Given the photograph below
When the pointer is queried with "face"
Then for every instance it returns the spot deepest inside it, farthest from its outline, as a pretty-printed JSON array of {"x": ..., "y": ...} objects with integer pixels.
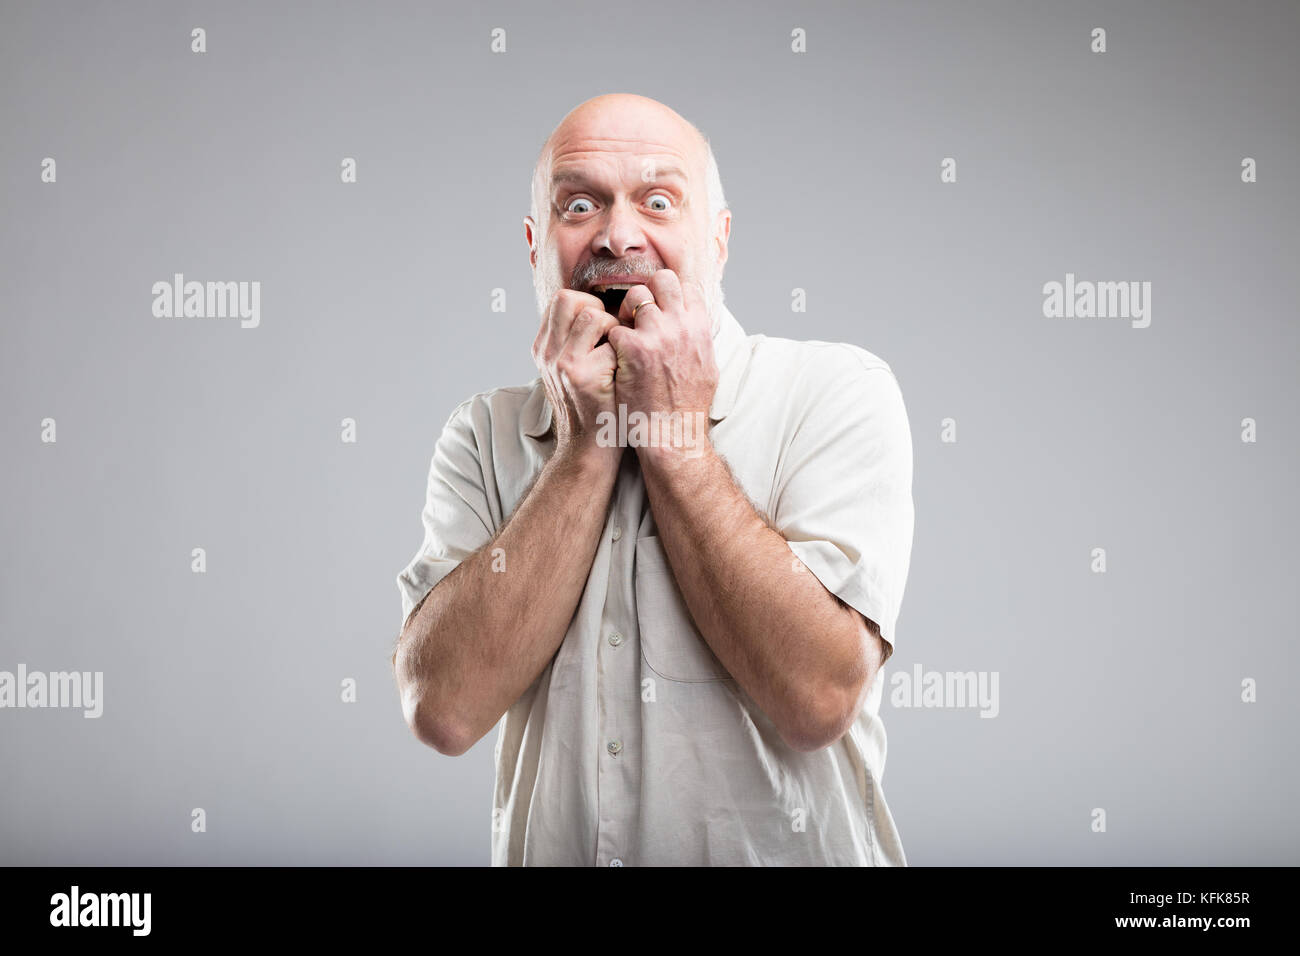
[{"x": 622, "y": 193}]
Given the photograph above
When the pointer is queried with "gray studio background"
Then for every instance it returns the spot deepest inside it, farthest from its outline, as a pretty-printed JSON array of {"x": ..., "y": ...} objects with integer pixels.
[{"x": 222, "y": 690}]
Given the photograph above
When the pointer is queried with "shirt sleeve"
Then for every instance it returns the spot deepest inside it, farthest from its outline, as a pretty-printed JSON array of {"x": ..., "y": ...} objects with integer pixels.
[
  {"x": 457, "y": 519},
  {"x": 844, "y": 499}
]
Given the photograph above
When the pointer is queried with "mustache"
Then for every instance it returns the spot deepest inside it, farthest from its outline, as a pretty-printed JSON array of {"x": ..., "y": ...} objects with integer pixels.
[{"x": 594, "y": 270}]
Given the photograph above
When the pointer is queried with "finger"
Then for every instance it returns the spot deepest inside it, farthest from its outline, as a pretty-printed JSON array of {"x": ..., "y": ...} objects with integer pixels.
[
  {"x": 608, "y": 363},
  {"x": 693, "y": 295},
  {"x": 568, "y": 305},
  {"x": 620, "y": 335},
  {"x": 637, "y": 307},
  {"x": 607, "y": 322},
  {"x": 539, "y": 342},
  {"x": 588, "y": 328},
  {"x": 667, "y": 290}
]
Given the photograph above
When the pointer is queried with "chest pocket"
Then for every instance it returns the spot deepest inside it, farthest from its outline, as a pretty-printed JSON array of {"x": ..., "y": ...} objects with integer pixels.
[{"x": 670, "y": 643}]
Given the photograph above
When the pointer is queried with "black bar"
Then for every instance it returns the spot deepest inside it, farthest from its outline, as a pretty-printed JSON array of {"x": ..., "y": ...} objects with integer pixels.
[{"x": 335, "y": 905}]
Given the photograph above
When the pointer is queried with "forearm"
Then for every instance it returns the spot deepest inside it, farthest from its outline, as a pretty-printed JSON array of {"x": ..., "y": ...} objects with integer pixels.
[
  {"x": 486, "y": 631},
  {"x": 786, "y": 640}
]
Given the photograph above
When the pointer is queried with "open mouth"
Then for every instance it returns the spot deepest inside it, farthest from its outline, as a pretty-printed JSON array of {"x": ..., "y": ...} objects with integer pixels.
[{"x": 613, "y": 297}]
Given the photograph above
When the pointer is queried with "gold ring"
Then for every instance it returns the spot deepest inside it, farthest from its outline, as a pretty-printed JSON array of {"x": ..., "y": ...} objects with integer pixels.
[{"x": 649, "y": 301}]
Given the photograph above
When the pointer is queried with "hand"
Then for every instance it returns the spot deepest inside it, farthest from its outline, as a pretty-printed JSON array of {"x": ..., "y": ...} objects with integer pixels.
[
  {"x": 578, "y": 375},
  {"x": 666, "y": 362}
]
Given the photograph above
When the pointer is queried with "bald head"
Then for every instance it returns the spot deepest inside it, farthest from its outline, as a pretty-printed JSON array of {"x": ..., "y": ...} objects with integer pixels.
[
  {"x": 630, "y": 118},
  {"x": 624, "y": 187}
]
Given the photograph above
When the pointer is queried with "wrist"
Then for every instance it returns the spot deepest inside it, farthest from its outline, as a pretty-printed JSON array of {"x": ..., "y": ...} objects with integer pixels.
[
  {"x": 587, "y": 460},
  {"x": 671, "y": 458}
]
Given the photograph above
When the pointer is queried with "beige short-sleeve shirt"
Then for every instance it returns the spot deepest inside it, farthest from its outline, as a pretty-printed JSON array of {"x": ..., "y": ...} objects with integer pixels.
[{"x": 634, "y": 747}]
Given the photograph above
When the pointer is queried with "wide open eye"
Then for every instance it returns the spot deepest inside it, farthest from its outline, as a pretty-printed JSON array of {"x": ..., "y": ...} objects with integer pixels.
[
  {"x": 578, "y": 201},
  {"x": 660, "y": 203}
]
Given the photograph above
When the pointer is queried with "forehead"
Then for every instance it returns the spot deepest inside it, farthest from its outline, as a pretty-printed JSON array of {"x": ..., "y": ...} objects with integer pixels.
[
  {"x": 634, "y": 160},
  {"x": 626, "y": 139}
]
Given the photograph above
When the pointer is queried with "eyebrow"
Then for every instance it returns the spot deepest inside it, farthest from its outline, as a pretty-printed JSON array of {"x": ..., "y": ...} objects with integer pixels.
[{"x": 563, "y": 176}]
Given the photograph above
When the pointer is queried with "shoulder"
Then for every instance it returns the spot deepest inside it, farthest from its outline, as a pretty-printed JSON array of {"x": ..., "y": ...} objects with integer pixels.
[
  {"x": 813, "y": 356},
  {"x": 507, "y": 408},
  {"x": 806, "y": 370}
]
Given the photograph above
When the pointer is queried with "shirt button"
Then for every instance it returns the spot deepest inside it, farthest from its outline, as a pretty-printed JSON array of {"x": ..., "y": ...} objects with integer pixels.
[
  {"x": 615, "y": 747},
  {"x": 616, "y": 862},
  {"x": 615, "y": 639},
  {"x": 618, "y": 533}
]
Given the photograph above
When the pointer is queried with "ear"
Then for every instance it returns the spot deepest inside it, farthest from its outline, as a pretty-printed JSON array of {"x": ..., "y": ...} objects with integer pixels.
[
  {"x": 530, "y": 236},
  {"x": 722, "y": 235}
]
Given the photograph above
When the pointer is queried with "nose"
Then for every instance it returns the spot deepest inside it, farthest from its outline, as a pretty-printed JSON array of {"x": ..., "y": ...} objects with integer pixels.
[{"x": 620, "y": 232}]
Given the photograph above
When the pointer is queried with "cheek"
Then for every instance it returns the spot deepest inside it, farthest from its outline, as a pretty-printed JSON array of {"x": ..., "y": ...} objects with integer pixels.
[
  {"x": 677, "y": 253},
  {"x": 687, "y": 259},
  {"x": 571, "y": 249},
  {"x": 560, "y": 255}
]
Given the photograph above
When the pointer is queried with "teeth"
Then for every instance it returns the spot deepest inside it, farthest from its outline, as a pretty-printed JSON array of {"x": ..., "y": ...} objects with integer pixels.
[{"x": 613, "y": 285}]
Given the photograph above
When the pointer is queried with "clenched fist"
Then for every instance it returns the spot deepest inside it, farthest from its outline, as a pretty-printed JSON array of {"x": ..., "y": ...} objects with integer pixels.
[
  {"x": 577, "y": 371},
  {"x": 666, "y": 365}
]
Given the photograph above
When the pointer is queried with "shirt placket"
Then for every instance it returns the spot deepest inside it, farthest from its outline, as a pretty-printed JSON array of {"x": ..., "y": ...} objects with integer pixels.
[{"x": 618, "y": 685}]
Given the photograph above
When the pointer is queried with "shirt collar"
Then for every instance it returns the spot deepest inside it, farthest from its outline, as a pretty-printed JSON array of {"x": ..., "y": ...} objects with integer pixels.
[{"x": 730, "y": 348}]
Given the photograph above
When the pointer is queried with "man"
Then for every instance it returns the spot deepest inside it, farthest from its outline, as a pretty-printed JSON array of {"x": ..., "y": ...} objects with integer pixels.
[{"x": 679, "y": 632}]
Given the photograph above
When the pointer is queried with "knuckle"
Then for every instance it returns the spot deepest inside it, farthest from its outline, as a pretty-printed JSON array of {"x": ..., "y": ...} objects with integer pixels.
[
  {"x": 666, "y": 280},
  {"x": 565, "y": 304}
]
